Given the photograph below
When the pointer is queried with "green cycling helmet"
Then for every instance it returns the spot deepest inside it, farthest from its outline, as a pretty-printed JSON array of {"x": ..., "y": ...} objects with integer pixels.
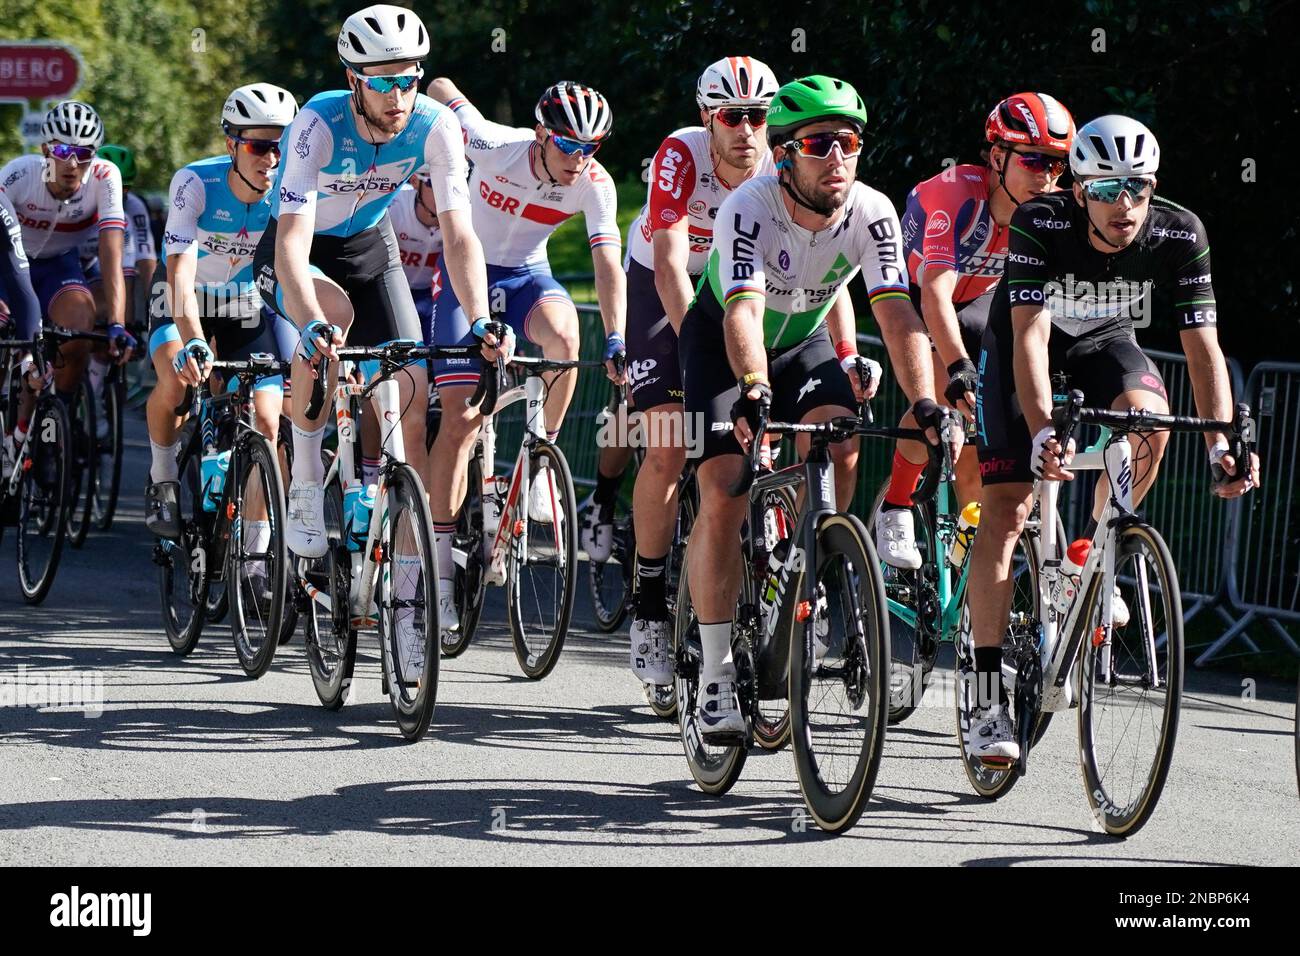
[
  {"x": 122, "y": 158},
  {"x": 809, "y": 99}
]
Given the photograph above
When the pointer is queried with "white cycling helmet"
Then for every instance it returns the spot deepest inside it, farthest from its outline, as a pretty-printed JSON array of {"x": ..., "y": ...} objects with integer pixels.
[
  {"x": 1114, "y": 146},
  {"x": 382, "y": 34},
  {"x": 258, "y": 104},
  {"x": 736, "y": 81},
  {"x": 575, "y": 111},
  {"x": 75, "y": 123}
]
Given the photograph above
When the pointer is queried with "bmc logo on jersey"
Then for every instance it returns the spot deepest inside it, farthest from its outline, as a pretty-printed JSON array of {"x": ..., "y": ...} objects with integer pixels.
[
  {"x": 938, "y": 224},
  {"x": 1162, "y": 233}
]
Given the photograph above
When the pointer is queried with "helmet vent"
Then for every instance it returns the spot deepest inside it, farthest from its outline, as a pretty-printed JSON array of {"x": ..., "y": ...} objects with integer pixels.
[
  {"x": 373, "y": 23},
  {"x": 355, "y": 42},
  {"x": 743, "y": 76},
  {"x": 1137, "y": 144},
  {"x": 1099, "y": 145},
  {"x": 727, "y": 86}
]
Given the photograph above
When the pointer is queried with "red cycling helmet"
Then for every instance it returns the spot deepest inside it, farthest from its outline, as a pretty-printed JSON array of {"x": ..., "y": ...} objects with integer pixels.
[{"x": 1031, "y": 119}]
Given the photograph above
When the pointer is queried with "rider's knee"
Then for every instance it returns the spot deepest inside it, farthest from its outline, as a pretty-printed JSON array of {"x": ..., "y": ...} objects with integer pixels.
[
  {"x": 1003, "y": 513},
  {"x": 666, "y": 461}
]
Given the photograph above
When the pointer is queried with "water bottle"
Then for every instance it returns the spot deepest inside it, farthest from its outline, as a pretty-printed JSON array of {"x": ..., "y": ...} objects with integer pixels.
[
  {"x": 358, "y": 502},
  {"x": 967, "y": 522},
  {"x": 213, "y": 469},
  {"x": 1067, "y": 582},
  {"x": 775, "y": 561}
]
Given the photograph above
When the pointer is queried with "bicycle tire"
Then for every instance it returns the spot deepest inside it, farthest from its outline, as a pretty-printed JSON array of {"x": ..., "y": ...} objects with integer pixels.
[
  {"x": 328, "y": 635},
  {"x": 469, "y": 588},
  {"x": 250, "y": 612},
  {"x": 108, "y": 474},
  {"x": 538, "y": 647},
  {"x": 1126, "y": 819},
  {"x": 616, "y": 573},
  {"x": 43, "y": 502},
  {"x": 85, "y": 464},
  {"x": 183, "y": 563}
]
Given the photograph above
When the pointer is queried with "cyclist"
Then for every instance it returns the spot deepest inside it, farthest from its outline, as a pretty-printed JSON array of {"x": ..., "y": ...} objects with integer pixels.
[
  {"x": 60, "y": 197},
  {"x": 1084, "y": 268},
  {"x": 759, "y": 334},
  {"x": 20, "y": 312},
  {"x": 525, "y": 183},
  {"x": 218, "y": 208},
  {"x": 955, "y": 232},
  {"x": 329, "y": 257}
]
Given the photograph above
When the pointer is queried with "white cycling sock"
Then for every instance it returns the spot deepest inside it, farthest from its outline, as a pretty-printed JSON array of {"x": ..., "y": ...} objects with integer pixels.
[
  {"x": 715, "y": 641},
  {"x": 307, "y": 465},
  {"x": 164, "y": 467},
  {"x": 258, "y": 537},
  {"x": 97, "y": 370}
]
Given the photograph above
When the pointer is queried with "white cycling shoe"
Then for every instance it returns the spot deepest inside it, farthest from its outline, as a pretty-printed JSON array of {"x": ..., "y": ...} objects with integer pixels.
[
  {"x": 718, "y": 708},
  {"x": 652, "y": 660},
  {"x": 896, "y": 539},
  {"x": 991, "y": 739},
  {"x": 1118, "y": 609},
  {"x": 543, "y": 497},
  {"x": 304, "y": 532},
  {"x": 594, "y": 536},
  {"x": 448, "y": 615}
]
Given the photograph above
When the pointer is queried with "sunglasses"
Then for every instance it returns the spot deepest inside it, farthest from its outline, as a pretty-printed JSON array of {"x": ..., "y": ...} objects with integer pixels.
[
  {"x": 1054, "y": 166},
  {"x": 733, "y": 116},
  {"x": 570, "y": 146},
  {"x": 1139, "y": 189},
  {"x": 819, "y": 145},
  {"x": 386, "y": 84},
  {"x": 82, "y": 154},
  {"x": 258, "y": 147}
]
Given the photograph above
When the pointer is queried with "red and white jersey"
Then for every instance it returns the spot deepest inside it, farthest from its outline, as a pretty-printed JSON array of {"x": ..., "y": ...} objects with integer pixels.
[
  {"x": 136, "y": 245},
  {"x": 53, "y": 226},
  {"x": 515, "y": 209},
  {"x": 420, "y": 246},
  {"x": 683, "y": 185}
]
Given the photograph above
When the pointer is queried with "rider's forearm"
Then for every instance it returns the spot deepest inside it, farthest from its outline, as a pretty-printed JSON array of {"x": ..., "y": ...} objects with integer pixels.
[
  {"x": 184, "y": 300},
  {"x": 293, "y": 269},
  {"x": 463, "y": 254},
  {"x": 1032, "y": 332},
  {"x": 841, "y": 323},
  {"x": 908, "y": 346},
  {"x": 611, "y": 289},
  {"x": 110, "y": 261},
  {"x": 742, "y": 330},
  {"x": 672, "y": 253},
  {"x": 1211, "y": 384},
  {"x": 940, "y": 317}
]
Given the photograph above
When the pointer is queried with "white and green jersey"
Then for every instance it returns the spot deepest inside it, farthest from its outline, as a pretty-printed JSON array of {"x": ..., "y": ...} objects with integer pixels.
[{"x": 758, "y": 252}]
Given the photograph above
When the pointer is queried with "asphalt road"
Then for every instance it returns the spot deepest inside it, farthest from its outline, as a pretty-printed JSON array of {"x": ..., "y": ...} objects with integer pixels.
[{"x": 191, "y": 763}]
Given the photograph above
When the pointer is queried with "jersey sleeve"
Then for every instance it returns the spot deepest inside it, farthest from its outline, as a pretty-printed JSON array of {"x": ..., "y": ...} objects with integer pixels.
[
  {"x": 883, "y": 267},
  {"x": 185, "y": 202},
  {"x": 1027, "y": 272},
  {"x": 600, "y": 208},
  {"x": 444, "y": 151},
  {"x": 939, "y": 231},
  {"x": 15, "y": 275},
  {"x": 111, "y": 213},
  {"x": 738, "y": 254},
  {"x": 1192, "y": 292},
  {"x": 483, "y": 138},
  {"x": 311, "y": 144},
  {"x": 671, "y": 172}
]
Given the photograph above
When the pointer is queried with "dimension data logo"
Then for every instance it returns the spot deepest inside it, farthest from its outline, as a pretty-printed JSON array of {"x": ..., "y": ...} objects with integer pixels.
[{"x": 76, "y": 909}]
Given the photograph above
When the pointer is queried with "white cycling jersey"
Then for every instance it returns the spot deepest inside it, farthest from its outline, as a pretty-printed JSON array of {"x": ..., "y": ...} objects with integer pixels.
[
  {"x": 758, "y": 252},
  {"x": 137, "y": 244},
  {"x": 53, "y": 226},
  {"x": 420, "y": 246},
  {"x": 683, "y": 184},
  {"x": 515, "y": 207}
]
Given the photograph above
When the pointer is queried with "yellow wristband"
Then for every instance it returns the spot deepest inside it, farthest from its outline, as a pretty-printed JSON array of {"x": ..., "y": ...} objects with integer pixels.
[{"x": 750, "y": 378}]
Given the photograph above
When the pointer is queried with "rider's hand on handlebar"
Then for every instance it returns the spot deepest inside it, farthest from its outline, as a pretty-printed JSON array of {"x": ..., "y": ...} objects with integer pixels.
[
  {"x": 755, "y": 401},
  {"x": 860, "y": 370},
  {"x": 1046, "y": 459},
  {"x": 497, "y": 339},
  {"x": 960, "y": 391},
  {"x": 121, "y": 343},
  {"x": 319, "y": 338},
  {"x": 615, "y": 358},
  {"x": 32, "y": 375},
  {"x": 940, "y": 424},
  {"x": 1222, "y": 465},
  {"x": 191, "y": 363}
]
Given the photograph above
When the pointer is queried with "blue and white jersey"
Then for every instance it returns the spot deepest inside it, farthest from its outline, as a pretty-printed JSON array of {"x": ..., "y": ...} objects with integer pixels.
[
  {"x": 205, "y": 215},
  {"x": 330, "y": 171}
]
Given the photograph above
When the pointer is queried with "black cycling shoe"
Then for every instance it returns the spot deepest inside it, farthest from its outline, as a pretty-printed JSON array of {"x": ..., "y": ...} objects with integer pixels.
[{"x": 162, "y": 513}]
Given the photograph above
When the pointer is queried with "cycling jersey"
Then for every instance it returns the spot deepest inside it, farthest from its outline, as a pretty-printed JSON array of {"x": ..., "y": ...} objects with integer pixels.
[
  {"x": 329, "y": 169},
  {"x": 515, "y": 209},
  {"x": 758, "y": 252},
  {"x": 203, "y": 214},
  {"x": 53, "y": 226},
  {"x": 15, "y": 275},
  {"x": 948, "y": 224},
  {"x": 1165, "y": 270},
  {"x": 140, "y": 230},
  {"x": 683, "y": 184},
  {"x": 420, "y": 245}
]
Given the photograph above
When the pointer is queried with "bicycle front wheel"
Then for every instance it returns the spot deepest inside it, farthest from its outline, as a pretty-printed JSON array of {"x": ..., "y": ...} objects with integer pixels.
[
  {"x": 85, "y": 465},
  {"x": 543, "y": 572},
  {"x": 108, "y": 472},
  {"x": 255, "y": 555},
  {"x": 1131, "y": 683},
  {"x": 408, "y": 603},
  {"x": 183, "y": 573},
  {"x": 839, "y": 678},
  {"x": 328, "y": 633},
  {"x": 43, "y": 504},
  {"x": 610, "y": 582}
]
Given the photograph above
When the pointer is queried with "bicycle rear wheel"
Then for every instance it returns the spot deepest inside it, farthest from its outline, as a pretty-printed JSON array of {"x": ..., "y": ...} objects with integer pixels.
[
  {"x": 256, "y": 559},
  {"x": 467, "y": 550},
  {"x": 330, "y": 638},
  {"x": 541, "y": 578},
  {"x": 284, "y": 448},
  {"x": 108, "y": 470},
  {"x": 408, "y": 603},
  {"x": 1131, "y": 684},
  {"x": 85, "y": 464},
  {"x": 43, "y": 502},
  {"x": 610, "y": 582},
  {"x": 183, "y": 572},
  {"x": 839, "y": 678}
]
